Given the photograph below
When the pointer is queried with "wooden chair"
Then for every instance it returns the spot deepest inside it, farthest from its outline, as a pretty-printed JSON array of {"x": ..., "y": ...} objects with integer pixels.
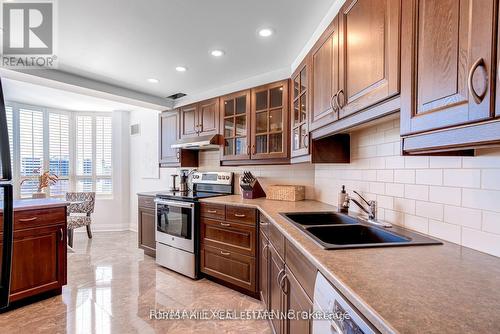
[{"x": 79, "y": 212}]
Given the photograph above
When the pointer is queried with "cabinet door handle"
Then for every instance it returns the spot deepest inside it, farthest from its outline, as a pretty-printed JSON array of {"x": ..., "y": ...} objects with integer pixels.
[
  {"x": 306, "y": 141},
  {"x": 264, "y": 251},
  {"x": 332, "y": 102},
  {"x": 281, "y": 284},
  {"x": 341, "y": 104},
  {"x": 239, "y": 215},
  {"x": 211, "y": 211},
  {"x": 253, "y": 149},
  {"x": 225, "y": 253},
  {"x": 225, "y": 224},
  {"x": 62, "y": 234},
  {"x": 178, "y": 155},
  {"x": 248, "y": 150},
  {"x": 278, "y": 276},
  {"x": 25, "y": 220},
  {"x": 477, "y": 98}
]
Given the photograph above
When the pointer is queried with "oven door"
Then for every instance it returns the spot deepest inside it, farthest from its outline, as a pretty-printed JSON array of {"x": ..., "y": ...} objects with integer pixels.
[{"x": 175, "y": 224}]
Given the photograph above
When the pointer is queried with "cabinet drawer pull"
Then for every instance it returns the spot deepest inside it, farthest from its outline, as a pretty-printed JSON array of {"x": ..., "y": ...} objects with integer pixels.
[
  {"x": 225, "y": 253},
  {"x": 25, "y": 220},
  {"x": 211, "y": 211},
  {"x": 239, "y": 215},
  {"x": 225, "y": 224},
  {"x": 477, "y": 98}
]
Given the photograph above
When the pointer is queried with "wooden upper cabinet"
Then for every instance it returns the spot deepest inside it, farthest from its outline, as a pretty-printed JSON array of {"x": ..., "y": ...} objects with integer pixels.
[
  {"x": 169, "y": 134},
  {"x": 189, "y": 120},
  {"x": 448, "y": 76},
  {"x": 269, "y": 121},
  {"x": 369, "y": 66},
  {"x": 208, "y": 117},
  {"x": 200, "y": 119},
  {"x": 324, "y": 68},
  {"x": 235, "y": 125},
  {"x": 300, "y": 110}
]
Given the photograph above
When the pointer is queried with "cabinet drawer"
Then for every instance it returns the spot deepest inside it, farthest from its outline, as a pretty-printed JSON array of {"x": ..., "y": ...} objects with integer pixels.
[
  {"x": 231, "y": 267},
  {"x": 211, "y": 210},
  {"x": 37, "y": 218},
  {"x": 146, "y": 201},
  {"x": 277, "y": 240},
  {"x": 232, "y": 237},
  {"x": 264, "y": 224},
  {"x": 303, "y": 270},
  {"x": 241, "y": 215}
]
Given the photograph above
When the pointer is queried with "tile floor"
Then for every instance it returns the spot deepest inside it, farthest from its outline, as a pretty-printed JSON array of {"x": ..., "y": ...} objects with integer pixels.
[{"x": 113, "y": 286}]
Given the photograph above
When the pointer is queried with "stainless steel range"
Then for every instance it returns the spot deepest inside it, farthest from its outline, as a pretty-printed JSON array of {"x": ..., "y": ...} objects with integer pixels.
[{"x": 177, "y": 221}]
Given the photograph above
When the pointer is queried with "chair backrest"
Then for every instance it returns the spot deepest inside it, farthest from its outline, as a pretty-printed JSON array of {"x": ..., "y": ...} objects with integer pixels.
[{"x": 87, "y": 197}]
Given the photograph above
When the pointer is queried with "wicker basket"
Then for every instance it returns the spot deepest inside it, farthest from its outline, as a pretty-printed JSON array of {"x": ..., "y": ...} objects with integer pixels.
[{"x": 286, "y": 193}]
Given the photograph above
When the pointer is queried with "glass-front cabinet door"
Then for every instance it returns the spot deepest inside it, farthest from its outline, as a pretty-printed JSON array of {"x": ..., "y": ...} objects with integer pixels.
[
  {"x": 270, "y": 121},
  {"x": 300, "y": 109},
  {"x": 235, "y": 124}
]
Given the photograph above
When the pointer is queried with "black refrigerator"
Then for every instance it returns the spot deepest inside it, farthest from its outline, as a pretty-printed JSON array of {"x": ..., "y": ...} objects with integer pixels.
[{"x": 6, "y": 206}]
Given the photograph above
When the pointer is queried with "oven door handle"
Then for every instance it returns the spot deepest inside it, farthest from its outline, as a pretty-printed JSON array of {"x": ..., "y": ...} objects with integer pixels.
[{"x": 175, "y": 203}]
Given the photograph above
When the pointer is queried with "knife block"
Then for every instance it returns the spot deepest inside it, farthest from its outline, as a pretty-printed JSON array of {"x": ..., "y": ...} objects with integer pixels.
[{"x": 256, "y": 191}]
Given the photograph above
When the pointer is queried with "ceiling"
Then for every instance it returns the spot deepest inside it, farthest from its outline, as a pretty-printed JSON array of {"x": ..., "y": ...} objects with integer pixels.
[{"x": 125, "y": 42}]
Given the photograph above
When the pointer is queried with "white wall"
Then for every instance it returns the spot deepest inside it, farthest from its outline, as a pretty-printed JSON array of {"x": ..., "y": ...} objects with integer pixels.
[
  {"x": 112, "y": 214},
  {"x": 452, "y": 198}
]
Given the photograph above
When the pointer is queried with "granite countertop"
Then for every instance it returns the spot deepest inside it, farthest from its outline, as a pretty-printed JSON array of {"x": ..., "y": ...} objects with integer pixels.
[
  {"x": 417, "y": 289},
  {"x": 151, "y": 193},
  {"x": 33, "y": 204}
]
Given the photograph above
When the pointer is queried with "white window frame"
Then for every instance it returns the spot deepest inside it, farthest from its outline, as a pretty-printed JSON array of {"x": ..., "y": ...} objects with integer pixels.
[{"x": 73, "y": 178}]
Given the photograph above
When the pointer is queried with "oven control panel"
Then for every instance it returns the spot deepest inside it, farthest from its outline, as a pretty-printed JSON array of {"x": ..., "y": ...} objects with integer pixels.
[{"x": 213, "y": 178}]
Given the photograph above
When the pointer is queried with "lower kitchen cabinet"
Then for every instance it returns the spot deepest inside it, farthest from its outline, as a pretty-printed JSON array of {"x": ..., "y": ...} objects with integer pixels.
[
  {"x": 146, "y": 226},
  {"x": 229, "y": 237},
  {"x": 285, "y": 283},
  {"x": 39, "y": 263}
]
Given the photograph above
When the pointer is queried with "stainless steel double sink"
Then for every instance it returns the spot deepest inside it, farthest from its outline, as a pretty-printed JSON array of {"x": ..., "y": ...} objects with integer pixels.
[{"x": 333, "y": 230}]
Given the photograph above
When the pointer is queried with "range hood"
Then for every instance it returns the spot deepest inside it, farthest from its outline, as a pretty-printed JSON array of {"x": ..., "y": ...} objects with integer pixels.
[{"x": 205, "y": 143}]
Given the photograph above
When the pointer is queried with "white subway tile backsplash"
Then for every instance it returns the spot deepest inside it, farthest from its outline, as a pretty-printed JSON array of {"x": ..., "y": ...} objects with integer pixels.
[
  {"x": 417, "y": 162},
  {"x": 416, "y": 223},
  {"x": 463, "y": 216},
  {"x": 490, "y": 179},
  {"x": 445, "y": 162},
  {"x": 404, "y": 205},
  {"x": 445, "y": 195},
  {"x": 404, "y": 176},
  {"x": 445, "y": 231},
  {"x": 452, "y": 198},
  {"x": 429, "y": 210},
  {"x": 395, "y": 189},
  {"x": 467, "y": 178},
  {"x": 491, "y": 222},
  {"x": 417, "y": 192},
  {"x": 482, "y": 199},
  {"x": 482, "y": 241},
  {"x": 385, "y": 175},
  {"x": 429, "y": 176}
]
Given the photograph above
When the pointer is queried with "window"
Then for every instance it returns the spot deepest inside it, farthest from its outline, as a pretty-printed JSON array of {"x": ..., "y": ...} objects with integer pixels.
[
  {"x": 31, "y": 160},
  {"x": 75, "y": 146},
  {"x": 59, "y": 159},
  {"x": 94, "y": 154}
]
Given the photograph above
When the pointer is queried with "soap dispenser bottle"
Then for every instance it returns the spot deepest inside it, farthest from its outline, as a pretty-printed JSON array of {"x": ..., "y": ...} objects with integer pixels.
[{"x": 343, "y": 203}]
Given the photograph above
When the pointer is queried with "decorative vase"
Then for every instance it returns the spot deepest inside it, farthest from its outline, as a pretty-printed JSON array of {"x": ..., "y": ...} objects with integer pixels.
[{"x": 39, "y": 195}]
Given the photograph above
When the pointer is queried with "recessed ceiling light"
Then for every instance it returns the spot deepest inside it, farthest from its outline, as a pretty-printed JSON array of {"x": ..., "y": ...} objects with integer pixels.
[
  {"x": 153, "y": 80},
  {"x": 181, "y": 69},
  {"x": 265, "y": 32},
  {"x": 217, "y": 53}
]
